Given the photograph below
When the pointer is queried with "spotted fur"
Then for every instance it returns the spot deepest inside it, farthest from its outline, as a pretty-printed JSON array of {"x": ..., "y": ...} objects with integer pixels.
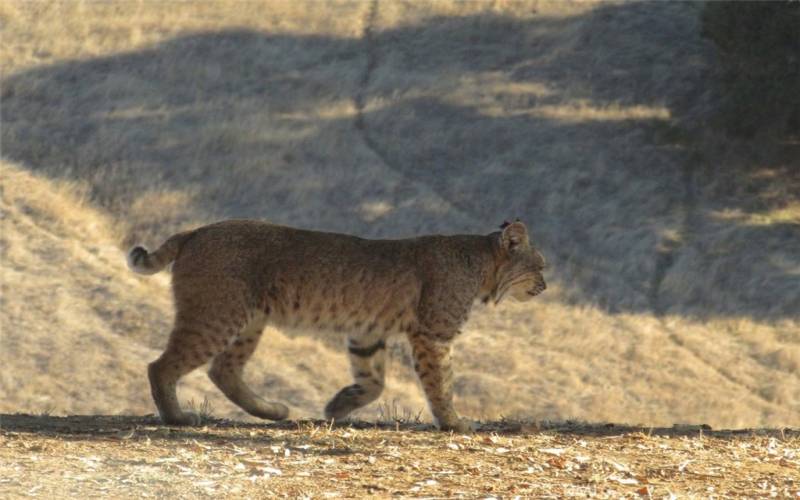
[{"x": 232, "y": 278}]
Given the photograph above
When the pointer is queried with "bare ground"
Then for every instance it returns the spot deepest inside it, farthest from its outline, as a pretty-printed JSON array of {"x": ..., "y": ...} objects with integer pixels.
[{"x": 123, "y": 457}]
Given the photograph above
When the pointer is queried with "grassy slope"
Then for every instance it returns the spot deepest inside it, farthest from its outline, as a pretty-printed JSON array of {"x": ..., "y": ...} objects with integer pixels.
[
  {"x": 94, "y": 325},
  {"x": 674, "y": 288}
]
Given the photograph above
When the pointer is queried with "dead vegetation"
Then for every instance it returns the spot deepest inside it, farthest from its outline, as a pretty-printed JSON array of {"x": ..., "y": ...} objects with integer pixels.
[{"x": 127, "y": 457}]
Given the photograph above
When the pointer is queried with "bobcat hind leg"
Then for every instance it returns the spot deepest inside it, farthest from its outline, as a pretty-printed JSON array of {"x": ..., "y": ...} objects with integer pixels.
[
  {"x": 227, "y": 369},
  {"x": 186, "y": 350}
]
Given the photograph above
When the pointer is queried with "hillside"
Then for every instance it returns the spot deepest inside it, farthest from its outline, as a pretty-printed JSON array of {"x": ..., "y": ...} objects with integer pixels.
[
  {"x": 675, "y": 279},
  {"x": 79, "y": 328}
]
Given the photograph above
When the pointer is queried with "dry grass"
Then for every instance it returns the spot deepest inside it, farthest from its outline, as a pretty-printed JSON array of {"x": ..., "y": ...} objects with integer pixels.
[
  {"x": 673, "y": 266},
  {"x": 126, "y": 457},
  {"x": 469, "y": 114}
]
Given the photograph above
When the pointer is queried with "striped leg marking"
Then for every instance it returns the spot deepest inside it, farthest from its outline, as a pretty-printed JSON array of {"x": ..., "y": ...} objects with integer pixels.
[{"x": 368, "y": 365}]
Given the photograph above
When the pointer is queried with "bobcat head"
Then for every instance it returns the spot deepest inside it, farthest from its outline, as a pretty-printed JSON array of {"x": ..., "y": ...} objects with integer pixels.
[{"x": 519, "y": 265}]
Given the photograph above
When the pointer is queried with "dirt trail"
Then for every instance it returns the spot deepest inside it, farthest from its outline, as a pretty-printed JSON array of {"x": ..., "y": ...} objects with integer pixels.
[{"x": 133, "y": 457}]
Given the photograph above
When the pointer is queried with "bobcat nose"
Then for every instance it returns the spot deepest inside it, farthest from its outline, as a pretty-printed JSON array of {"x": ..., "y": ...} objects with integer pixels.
[{"x": 539, "y": 288}]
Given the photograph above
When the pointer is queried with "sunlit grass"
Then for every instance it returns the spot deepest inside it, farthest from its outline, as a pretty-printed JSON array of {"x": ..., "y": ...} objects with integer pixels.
[{"x": 476, "y": 121}]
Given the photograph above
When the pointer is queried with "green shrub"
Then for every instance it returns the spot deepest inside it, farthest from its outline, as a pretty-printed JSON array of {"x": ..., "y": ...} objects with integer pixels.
[{"x": 759, "y": 43}]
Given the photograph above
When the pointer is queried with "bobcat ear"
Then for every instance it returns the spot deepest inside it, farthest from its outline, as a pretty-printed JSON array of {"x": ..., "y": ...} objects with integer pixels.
[{"x": 514, "y": 235}]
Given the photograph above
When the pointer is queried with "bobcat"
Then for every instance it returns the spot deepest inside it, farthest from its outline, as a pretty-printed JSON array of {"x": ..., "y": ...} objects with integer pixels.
[{"x": 231, "y": 278}]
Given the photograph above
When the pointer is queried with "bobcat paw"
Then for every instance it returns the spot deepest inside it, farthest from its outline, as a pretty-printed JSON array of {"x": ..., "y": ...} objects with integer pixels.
[
  {"x": 460, "y": 425},
  {"x": 185, "y": 419},
  {"x": 348, "y": 399}
]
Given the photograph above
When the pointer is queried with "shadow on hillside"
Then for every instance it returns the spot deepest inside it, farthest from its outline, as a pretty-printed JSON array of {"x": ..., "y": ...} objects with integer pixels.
[
  {"x": 104, "y": 427},
  {"x": 247, "y": 124}
]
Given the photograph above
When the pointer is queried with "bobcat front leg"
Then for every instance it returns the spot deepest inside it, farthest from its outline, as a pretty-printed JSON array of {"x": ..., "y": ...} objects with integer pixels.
[
  {"x": 368, "y": 366},
  {"x": 433, "y": 366}
]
